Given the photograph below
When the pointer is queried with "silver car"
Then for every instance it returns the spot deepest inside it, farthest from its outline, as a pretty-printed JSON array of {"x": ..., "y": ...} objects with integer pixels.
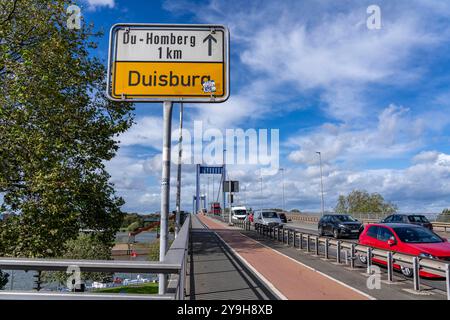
[{"x": 267, "y": 218}]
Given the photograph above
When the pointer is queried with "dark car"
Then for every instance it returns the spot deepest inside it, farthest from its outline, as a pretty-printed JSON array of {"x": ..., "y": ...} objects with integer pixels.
[
  {"x": 417, "y": 219},
  {"x": 339, "y": 225},
  {"x": 282, "y": 217}
]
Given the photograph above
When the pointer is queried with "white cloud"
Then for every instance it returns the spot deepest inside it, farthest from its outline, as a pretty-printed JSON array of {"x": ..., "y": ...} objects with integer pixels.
[
  {"x": 325, "y": 47},
  {"x": 395, "y": 133},
  {"x": 93, "y": 4},
  {"x": 147, "y": 131}
]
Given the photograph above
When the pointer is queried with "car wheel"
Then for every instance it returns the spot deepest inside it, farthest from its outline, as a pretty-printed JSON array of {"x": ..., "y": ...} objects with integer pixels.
[
  {"x": 320, "y": 231},
  {"x": 407, "y": 272},
  {"x": 362, "y": 258},
  {"x": 336, "y": 233}
]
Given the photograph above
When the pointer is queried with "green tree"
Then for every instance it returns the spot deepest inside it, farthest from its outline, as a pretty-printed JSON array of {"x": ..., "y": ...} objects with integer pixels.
[
  {"x": 3, "y": 279},
  {"x": 360, "y": 201},
  {"x": 88, "y": 247},
  {"x": 133, "y": 226},
  {"x": 444, "y": 216},
  {"x": 57, "y": 129},
  {"x": 132, "y": 217},
  {"x": 341, "y": 206}
]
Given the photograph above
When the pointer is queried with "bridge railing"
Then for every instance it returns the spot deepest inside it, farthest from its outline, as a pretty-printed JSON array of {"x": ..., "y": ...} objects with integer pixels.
[
  {"x": 365, "y": 218},
  {"x": 174, "y": 265},
  {"x": 351, "y": 250}
]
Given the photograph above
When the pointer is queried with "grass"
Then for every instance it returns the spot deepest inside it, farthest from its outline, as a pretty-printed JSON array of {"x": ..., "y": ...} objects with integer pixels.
[{"x": 146, "y": 288}]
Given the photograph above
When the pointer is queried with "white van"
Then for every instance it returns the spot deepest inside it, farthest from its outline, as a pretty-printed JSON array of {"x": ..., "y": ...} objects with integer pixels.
[
  {"x": 268, "y": 218},
  {"x": 239, "y": 213}
]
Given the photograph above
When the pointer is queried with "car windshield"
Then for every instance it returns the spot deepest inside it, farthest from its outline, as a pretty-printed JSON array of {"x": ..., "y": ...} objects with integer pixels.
[
  {"x": 417, "y": 219},
  {"x": 240, "y": 212},
  {"x": 269, "y": 214},
  {"x": 345, "y": 218},
  {"x": 416, "y": 235}
]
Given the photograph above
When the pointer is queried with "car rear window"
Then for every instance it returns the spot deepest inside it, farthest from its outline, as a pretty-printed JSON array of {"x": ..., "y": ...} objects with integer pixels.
[
  {"x": 372, "y": 232},
  {"x": 384, "y": 234},
  {"x": 345, "y": 218},
  {"x": 417, "y": 219},
  {"x": 416, "y": 235},
  {"x": 268, "y": 214}
]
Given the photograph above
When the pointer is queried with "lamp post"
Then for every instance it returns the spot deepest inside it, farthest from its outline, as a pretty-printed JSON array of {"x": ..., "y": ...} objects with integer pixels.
[
  {"x": 282, "y": 187},
  {"x": 180, "y": 157},
  {"x": 321, "y": 179},
  {"x": 207, "y": 195},
  {"x": 224, "y": 175},
  {"x": 261, "y": 195}
]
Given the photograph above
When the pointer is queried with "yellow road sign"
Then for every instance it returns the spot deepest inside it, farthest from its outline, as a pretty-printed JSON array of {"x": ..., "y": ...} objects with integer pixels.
[{"x": 168, "y": 63}]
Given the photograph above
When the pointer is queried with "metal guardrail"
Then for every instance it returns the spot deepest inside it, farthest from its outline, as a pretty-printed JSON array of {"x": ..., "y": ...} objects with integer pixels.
[
  {"x": 315, "y": 219},
  {"x": 174, "y": 264},
  {"x": 443, "y": 225},
  {"x": 351, "y": 250},
  {"x": 244, "y": 223}
]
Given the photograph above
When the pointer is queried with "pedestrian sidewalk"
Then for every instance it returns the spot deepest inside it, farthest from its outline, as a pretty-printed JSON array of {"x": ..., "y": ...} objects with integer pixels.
[
  {"x": 288, "y": 278},
  {"x": 214, "y": 272}
]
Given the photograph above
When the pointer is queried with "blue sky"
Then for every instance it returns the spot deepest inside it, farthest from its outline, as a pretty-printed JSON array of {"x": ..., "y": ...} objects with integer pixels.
[{"x": 374, "y": 102}]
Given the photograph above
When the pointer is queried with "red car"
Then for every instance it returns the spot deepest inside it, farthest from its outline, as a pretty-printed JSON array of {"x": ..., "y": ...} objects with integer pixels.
[{"x": 408, "y": 239}]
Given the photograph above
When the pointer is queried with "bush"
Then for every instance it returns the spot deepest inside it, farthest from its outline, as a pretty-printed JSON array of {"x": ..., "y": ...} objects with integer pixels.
[
  {"x": 444, "y": 216},
  {"x": 133, "y": 226},
  {"x": 85, "y": 247},
  {"x": 3, "y": 279}
]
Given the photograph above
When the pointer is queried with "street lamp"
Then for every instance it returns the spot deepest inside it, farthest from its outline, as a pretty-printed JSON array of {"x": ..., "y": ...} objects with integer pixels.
[
  {"x": 321, "y": 179},
  {"x": 261, "y": 202},
  {"x": 282, "y": 187}
]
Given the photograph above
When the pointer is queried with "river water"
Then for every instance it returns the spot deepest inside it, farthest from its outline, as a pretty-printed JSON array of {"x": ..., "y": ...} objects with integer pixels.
[{"x": 21, "y": 280}]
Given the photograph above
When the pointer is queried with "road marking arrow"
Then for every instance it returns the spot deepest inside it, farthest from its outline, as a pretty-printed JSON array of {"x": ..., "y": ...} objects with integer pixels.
[{"x": 210, "y": 39}]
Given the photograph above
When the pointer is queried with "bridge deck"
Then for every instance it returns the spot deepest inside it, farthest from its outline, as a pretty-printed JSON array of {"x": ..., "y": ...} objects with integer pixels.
[
  {"x": 288, "y": 278},
  {"x": 214, "y": 272}
]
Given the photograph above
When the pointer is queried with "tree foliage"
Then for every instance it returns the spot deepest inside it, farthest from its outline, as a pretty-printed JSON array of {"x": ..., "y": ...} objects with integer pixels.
[
  {"x": 444, "y": 216},
  {"x": 86, "y": 246},
  {"x": 133, "y": 226},
  {"x": 3, "y": 279},
  {"x": 360, "y": 201},
  {"x": 56, "y": 131},
  {"x": 130, "y": 218}
]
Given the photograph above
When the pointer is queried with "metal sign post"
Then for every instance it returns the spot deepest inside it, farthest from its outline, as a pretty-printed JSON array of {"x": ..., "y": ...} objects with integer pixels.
[
  {"x": 165, "y": 190},
  {"x": 168, "y": 63},
  {"x": 230, "y": 203},
  {"x": 180, "y": 157}
]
